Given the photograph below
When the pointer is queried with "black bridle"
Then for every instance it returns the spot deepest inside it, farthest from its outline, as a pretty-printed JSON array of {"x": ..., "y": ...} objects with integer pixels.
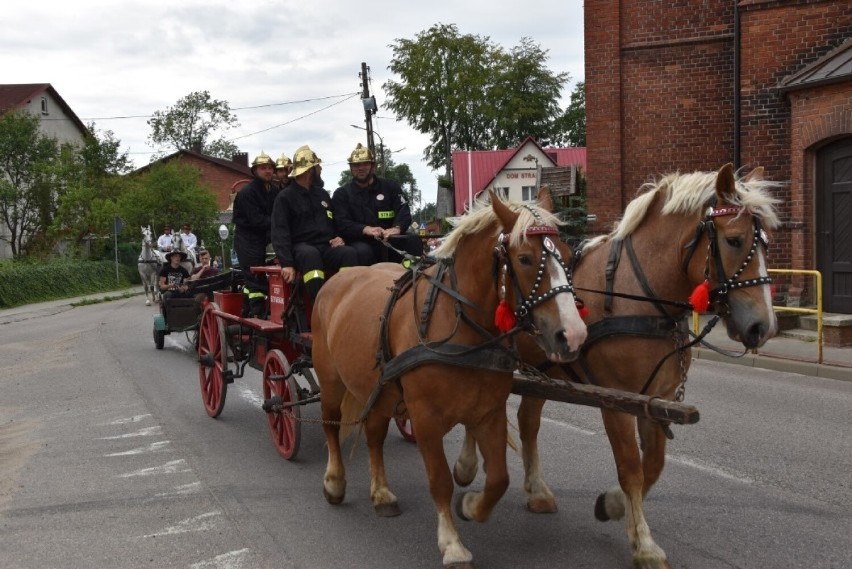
[
  {"x": 526, "y": 303},
  {"x": 719, "y": 293}
]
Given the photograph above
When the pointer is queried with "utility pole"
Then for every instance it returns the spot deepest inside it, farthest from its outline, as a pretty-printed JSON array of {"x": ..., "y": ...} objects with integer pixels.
[{"x": 369, "y": 103}]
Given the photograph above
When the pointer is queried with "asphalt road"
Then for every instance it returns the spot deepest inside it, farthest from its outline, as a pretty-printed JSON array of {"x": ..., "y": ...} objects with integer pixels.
[{"x": 108, "y": 460}]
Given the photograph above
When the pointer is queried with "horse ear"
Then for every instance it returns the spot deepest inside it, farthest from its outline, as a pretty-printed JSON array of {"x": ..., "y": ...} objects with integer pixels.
[
  {"x": 755, "y": 175},
  {"x": 726, "y": 186},
  {"x": 544, "y": 199},
  {"x": 506, "y": 216}
]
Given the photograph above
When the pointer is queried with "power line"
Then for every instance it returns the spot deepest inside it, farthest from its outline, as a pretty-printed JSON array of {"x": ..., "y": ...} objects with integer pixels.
[
  {"x": 296, "y": 119},
  {"x": 348, "y": 95}
]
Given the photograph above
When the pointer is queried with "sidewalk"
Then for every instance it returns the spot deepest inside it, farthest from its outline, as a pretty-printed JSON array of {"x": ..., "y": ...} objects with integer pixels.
[
  {"x": 27, "y": 311},
  {"x": 781, "y": 354}
]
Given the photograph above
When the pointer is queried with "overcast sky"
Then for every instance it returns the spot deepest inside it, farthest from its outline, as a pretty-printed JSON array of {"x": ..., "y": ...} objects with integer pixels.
[{"x": 128, "y": 59}]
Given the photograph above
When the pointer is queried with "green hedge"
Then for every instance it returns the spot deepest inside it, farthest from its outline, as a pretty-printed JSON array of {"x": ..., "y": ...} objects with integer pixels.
[{"x": 25, "y": 283}]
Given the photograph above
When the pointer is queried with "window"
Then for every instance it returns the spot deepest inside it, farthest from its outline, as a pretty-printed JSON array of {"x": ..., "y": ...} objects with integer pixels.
[
  {"x": 44, "y": 105},
  {"x": 528, "y": 193}
]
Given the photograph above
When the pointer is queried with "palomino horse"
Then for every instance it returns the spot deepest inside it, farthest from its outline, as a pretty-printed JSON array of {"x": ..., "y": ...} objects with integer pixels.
[
  {"x": 149, "y": 264},
  {"x": 682, "y": 232},
  {"x": 428, "y": 327}
]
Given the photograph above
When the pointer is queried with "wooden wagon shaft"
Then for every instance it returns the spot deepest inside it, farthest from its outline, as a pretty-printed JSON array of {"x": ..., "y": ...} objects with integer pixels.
[{"x": 602, "y": 397}]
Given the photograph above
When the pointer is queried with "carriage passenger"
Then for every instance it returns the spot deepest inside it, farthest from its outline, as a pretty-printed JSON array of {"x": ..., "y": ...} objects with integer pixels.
[
  {"x": 174, "y": 279},
  {"x": 164, "y": 241},
  {"x": 205, "y": 268},
  {"x": 252, "y": 214},
  {"x": 190, "y": 241},
  {"x": 303, "y": 233},
  {"x": 370, "y": 209},
  {"x": 283, "y": 167}
]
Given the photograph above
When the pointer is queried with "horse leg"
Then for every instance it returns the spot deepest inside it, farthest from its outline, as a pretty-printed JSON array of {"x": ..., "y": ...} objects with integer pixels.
[
  {"x": 540, "y": 499},
  {"x": 430, "y": 443},
  {"x": 384, "y": 501},
  {"x": 628, "y": 499},
  {"x": 491, "y": 434},
  {"x": 334, "y": 480},
  {"x": 464, "y": 470},
  {"x": 653, "y": 441}
]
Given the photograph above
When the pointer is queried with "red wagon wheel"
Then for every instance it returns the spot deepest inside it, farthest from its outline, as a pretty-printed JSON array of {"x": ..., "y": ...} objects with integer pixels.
[
  {"x": 285, "y": 426},
  {"x": 212, "y": 361},
  {"x": 406, "y": 429}
]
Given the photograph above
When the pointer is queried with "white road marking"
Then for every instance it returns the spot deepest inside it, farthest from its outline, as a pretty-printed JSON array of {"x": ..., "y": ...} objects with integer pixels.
[
  {"x": 153, "y": 447},
  {"x": 125, "y": 420},
  {"x": 146, "y": 432},
  {"x": 182, "y": 490},
  {"x": 230, "y": 560},
  {"x": 568, "y": 426},
  {"x": 710, "y": 468},
  {"x": 203, "y": 522},
  {"x": 173, "y": 467}
]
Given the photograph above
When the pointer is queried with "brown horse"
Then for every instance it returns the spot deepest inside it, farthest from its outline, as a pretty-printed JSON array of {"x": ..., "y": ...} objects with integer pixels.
[
  {"x": 681, "y": 232},
  {"x": 438, "y": 323}
]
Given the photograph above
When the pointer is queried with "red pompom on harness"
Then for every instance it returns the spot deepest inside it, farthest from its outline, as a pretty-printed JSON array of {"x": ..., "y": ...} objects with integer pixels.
[
  {"x": 504, "y": 318},
  {"x": 700, "y": 297}
]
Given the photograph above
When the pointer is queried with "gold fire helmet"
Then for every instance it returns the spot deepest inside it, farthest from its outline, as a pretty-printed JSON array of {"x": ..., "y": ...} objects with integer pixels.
[
  {"x": 303, "y": 160},
  {"x": 361, "y": 154},
  {"x": 283, "y": 162},
  {"x": 262, "y": 158}
]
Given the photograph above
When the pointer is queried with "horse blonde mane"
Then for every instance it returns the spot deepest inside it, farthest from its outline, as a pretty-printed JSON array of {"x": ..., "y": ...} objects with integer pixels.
[
  {"x": 689, "y": 194},
  {"x": 481, "y": 216}
]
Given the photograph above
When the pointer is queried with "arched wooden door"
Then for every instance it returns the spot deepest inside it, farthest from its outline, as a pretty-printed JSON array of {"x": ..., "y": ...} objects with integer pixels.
[{"x": 834, "y": 224}]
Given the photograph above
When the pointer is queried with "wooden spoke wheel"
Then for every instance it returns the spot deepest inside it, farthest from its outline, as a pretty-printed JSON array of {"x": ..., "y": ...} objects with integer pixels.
[
  {"x": 406, "y": 429},
  {"x": 284, "y": 426},
  {"x": 212, "y": 361}
]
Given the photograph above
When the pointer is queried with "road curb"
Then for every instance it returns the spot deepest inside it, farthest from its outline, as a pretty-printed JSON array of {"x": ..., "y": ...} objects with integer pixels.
[{"x": 778, "y": 364}]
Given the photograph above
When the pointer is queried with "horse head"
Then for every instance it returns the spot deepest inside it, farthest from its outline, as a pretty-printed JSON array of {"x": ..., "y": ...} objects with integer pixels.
[
  {"x": 533, "y": 278},
  {"x": 736, "y": 223}
]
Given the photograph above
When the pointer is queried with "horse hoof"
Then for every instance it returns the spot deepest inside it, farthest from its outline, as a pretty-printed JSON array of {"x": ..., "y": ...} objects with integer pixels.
[
  {"x": 333, "y": 500},
  {"x": 651, "y": 563},
  {"x": 387, "y": 510},
  {"x": 600, "y": 508},
  {"x": 543, "y": 506},
  {"x": 147, "y": 303},
  {"x": 459, "y": 506}
]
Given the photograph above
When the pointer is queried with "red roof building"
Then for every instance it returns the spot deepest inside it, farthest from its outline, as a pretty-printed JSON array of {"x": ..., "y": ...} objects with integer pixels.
[{"x": 515, "y": 173}]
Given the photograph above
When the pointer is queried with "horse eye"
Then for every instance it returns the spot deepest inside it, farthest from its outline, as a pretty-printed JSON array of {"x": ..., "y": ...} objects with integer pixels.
[
  {"x": 525, "y": 260},
  {"x": 736, "y": 242}
]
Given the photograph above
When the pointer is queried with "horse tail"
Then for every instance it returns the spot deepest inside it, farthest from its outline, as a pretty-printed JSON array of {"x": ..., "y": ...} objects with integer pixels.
[{"x": 350, "y": 409}]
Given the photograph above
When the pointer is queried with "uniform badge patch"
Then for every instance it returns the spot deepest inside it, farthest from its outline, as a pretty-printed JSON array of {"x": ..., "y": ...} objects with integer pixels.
[
  {"x": 380, "y": 197},
  {"x": 325, "y": 205}
]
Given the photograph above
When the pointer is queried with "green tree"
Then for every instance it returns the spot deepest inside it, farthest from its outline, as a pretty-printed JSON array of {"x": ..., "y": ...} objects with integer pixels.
[
  {"x": 467, "y": 93},
  {"x": 525, "y": 96},
  {"x": 26, "y": 166},
  {"x": 93, "y": 182},
  {"x": 426, "y": 213},
  {"x": 191, "y": 124},
  {"x": 168, "y": 193},
  {"x": 444, "y": 82},
  {"x": 570, "y": 128}
]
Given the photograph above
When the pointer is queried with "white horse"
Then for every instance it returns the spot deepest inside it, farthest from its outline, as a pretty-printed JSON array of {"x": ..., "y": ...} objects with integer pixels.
[
  {"x": 149, "y": 264},
  {"x": 178, "y": 245}
]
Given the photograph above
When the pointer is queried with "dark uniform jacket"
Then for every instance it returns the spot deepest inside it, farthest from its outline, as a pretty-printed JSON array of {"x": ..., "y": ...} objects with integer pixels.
[
  {"x": 253, "y": 211},
  {"x": 301, "y": 216},
  {"x": 381, "y": 204}
]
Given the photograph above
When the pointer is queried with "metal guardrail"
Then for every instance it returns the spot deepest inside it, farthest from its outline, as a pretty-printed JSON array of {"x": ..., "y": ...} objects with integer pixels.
[{"x": 818, "y": 310}]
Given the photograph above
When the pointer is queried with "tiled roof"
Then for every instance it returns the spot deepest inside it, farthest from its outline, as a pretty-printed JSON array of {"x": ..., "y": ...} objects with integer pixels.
[
  {"x": 230, "y": 164},
  {"x": 833, "y": 67}
]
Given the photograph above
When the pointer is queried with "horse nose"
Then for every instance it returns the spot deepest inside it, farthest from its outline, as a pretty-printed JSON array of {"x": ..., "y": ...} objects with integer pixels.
[
  {"x": 571, "y": 339},
  {"x": 754, "y": 336}
]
